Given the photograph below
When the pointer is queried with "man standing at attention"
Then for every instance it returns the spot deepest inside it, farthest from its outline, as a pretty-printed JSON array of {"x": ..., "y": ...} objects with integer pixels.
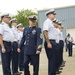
[
  {"x": 6, "y": 38},
  {"x": 14, "y": 47},
  {"x": 50, "y": 41}
]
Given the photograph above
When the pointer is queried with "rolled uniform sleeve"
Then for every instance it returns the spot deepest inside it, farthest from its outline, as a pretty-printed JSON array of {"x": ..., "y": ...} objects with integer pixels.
[
  {"x": 39, "y": 39},
  {"x": 46, "y": 26},
  {"x": 1, "y": 30},
  {"x": 22, "y": 40}
]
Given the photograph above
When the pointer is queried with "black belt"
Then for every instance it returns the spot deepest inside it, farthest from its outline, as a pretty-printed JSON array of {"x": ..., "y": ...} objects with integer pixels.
[
  {"x": 61, "y": 40},
  {"x": 51, "y": 40},
  {"x": 9, "y": 43},
  {"x": 15, "y": 42}
]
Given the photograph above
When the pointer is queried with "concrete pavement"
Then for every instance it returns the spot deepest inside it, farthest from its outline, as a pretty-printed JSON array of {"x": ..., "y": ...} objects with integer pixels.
[{"x": 69, "y": 68}]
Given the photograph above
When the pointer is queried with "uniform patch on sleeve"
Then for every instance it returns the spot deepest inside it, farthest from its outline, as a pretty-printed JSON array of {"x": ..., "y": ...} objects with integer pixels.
[{"x": 41, "y": 36}]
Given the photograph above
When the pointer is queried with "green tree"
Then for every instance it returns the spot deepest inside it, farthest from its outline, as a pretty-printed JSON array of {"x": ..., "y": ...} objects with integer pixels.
[{"x": 22, "y": 16}]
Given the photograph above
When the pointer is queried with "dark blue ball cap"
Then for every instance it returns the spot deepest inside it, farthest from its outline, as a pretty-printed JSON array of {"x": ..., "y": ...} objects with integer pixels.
[{"x": 32, "y": 18}]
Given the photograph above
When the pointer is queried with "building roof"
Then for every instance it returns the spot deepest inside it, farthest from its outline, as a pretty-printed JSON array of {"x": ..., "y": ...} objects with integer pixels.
[{"x": 57, "y": 8}]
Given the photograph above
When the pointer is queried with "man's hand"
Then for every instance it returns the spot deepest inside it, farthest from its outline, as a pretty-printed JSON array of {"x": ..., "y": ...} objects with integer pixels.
[
  {"x": 49, "y": 45},
  {"x": 3, "y": 50},
  {"x": 37, "y": 52},
  {"x": 18, "y": 50}
]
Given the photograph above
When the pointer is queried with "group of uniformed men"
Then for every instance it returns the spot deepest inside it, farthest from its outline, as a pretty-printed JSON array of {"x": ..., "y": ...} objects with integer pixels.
[
  {"x": 24, "y": 46},
  {"x": 19, "y": 46},
  {"x": 54, "y": 43},
  {"x": 9, "y": 41}
]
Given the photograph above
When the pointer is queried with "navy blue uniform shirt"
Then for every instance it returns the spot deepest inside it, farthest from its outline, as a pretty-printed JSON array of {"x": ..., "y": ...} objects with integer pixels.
[{"x": 32, "y": 37}]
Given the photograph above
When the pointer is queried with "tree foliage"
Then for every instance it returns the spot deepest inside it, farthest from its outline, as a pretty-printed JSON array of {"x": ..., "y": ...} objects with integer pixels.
[{"x": 22, "y": 16}]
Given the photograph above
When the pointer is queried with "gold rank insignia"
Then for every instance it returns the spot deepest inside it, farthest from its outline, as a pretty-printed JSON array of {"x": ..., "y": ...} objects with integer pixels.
[
  {"x": 34, "y": 31},
  {"x": 40, "y": 46},
  {"x": 41, "y": 36}
]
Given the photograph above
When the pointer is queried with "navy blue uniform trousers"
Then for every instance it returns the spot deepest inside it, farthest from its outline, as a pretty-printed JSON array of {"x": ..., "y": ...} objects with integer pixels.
[
  {"x": 59, "y": 54},
  {"x": 21, "y": 59},
  {"x": 6, "y": 58},
  {"x": 70, "y": 48},
  {"x": 61, "y": 43},
  {"x": 57, "y": 57},
  {"x": 14, "y": 57},
  {"x": 51, "y": 55},
  {"x": 35, "y": 62}
]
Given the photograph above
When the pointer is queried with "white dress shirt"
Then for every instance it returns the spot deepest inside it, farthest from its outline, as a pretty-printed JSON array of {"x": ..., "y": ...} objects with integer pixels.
[
  {"x": 15, "y": 32},
  {"x": 57, "y": 35},
  {"x": 49, "y": 26},
  {"x": 61, "y": 36},
  {"x": 20, "y": 35},
  {"x": 70, "y": 39},
  {"x": 6, "y": 32}
]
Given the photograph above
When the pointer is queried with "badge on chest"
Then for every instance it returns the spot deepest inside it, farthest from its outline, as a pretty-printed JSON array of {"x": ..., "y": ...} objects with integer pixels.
[{"x": 34, "y": 32}]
